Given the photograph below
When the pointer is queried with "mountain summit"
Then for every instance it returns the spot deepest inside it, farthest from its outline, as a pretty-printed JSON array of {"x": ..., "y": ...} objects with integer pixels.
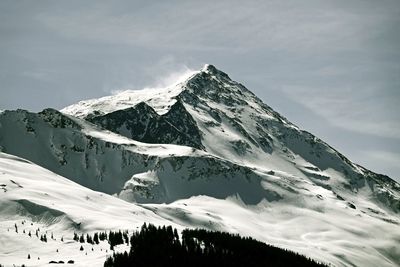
[{"x": 206, "y": 152}]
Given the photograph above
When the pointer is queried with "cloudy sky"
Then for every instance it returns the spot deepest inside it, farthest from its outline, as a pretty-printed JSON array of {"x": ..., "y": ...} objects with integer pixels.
[{"x": 331, "y": 67}]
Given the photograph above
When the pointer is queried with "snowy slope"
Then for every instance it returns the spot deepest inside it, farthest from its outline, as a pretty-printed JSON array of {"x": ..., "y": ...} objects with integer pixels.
[
  {"x": 78, "y": 150},
  {"x": 155, "y": 97},
  {"x": 54, "y": 204}
]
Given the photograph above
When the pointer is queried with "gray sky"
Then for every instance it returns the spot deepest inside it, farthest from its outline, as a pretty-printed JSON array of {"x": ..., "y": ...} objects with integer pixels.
[{"x": 331, "y": 67}]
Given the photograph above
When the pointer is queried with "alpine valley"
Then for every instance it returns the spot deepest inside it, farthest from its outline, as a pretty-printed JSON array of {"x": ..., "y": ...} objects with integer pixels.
[{"x": 202, "y": 153}]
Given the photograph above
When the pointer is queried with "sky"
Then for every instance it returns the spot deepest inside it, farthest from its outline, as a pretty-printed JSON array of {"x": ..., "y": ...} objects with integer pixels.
[{"x": 330, "y": 67}]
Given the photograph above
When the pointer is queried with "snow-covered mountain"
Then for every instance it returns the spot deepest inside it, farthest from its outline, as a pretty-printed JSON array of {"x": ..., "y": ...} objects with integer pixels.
[
  {"x": 205, "y": 152},
  {"x": 211, "y": 112}
]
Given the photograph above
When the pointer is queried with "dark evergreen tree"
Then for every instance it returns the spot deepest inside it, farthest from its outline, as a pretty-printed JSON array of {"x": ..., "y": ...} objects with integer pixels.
[
  {"x": 96, "y": 238},
  {"x": 115, "y": 238},
  {"x": 43, "y": 238},
  {"x": 126, "y": 237},
  {"x": 103, "y": 236},
  {"x": 89, "y": 239}
]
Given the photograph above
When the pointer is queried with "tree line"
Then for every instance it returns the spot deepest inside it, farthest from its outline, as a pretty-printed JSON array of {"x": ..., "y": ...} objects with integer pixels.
[
  {"x": 113, "y": 238},
  {"x": 161, "y": 246}
]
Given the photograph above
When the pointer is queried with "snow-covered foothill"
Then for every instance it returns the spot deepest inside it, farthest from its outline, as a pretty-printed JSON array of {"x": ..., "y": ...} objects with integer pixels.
[{"x": 322, "y": 227}]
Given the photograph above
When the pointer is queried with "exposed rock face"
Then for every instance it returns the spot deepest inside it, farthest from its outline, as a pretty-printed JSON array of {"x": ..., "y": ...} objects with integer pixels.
[{"x": 143, "y": 124}]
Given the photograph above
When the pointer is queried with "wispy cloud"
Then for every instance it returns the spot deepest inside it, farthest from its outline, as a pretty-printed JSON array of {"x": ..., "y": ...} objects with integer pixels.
[
  {"x": 351, "y": 109},
  {"x": 389, "y": 157},
  {"x": 383, "y": 161},
  {"x": 167, "y": 71},
  {"x": 269, "y": 24},
  {"x": 163, "y": 73}
]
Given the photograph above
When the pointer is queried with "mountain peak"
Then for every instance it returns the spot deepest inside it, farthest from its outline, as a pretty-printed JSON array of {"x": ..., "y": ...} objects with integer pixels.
[{"x": 211, "y": 69}]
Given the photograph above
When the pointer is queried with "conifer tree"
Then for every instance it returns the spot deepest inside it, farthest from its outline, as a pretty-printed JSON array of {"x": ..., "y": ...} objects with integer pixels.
[
  {"x": 43, "y": 238},
  {"x": 125, "y": 236},
  {"x": 89, "y": 239},
  {"x": 96, "y": 238}
]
